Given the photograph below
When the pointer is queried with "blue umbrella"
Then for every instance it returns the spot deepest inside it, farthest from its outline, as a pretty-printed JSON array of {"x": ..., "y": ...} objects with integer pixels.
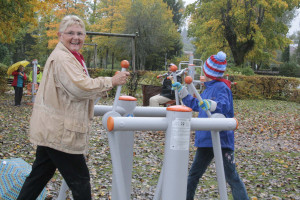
[{"x": 13, "y": 173}]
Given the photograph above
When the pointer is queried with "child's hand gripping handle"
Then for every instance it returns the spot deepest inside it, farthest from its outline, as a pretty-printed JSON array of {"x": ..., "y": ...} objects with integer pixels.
[
  {"x": 189, "y": 81},
  {"x": 124, "y": 65}
]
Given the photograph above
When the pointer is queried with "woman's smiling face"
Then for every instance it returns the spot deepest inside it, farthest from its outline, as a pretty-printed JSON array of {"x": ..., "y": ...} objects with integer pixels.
[{"x": 73, "y": 37}]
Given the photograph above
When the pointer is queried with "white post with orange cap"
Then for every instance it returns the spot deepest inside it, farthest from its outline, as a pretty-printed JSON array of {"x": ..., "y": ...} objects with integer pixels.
[
  {"x": 174, "y": 69},
  {"x": 124, "y": 65},
  {"x": 121, "y": 147},
  {"x": 121, "y": 155},
  {"x": 176, "y": 154},
  {"x": 178, "y": 123},
  {"x": 173, "y": 179},
  {"x": 34, "y": 80}
]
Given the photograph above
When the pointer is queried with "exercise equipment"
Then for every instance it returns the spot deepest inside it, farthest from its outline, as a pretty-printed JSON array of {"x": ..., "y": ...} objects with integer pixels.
[{"x": 124, "y": 117}]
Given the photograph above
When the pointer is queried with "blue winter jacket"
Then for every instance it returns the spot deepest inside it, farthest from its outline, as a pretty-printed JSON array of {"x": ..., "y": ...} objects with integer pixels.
[{"x": 220, "y": 93}]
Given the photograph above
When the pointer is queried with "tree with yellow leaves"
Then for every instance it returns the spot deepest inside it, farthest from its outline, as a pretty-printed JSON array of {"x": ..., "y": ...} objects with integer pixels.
[
  {"x": 109, "y": 17},
  {"x": 16, "y": 14},
  {"x": 67, "y": 7},
  {"x": 248, "y": 29}
]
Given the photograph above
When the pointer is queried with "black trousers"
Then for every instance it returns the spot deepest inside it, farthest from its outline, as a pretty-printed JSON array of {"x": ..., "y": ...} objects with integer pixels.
[
  {"x": 72, "y": 167},
  {"x": 18, "y": 95}
]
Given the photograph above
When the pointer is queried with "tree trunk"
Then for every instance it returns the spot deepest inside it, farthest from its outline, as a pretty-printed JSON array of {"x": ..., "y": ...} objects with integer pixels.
[
  {"x": 238, "y": 49},
  {"x": 106, "y": 58}
]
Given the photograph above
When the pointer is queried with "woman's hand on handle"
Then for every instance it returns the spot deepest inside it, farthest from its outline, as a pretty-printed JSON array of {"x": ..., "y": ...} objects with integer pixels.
[{"x": 120, "y": 78}]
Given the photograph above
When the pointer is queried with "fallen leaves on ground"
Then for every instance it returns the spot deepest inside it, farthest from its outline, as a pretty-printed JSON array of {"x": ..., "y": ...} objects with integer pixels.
[{"x": 266, "y": 155}]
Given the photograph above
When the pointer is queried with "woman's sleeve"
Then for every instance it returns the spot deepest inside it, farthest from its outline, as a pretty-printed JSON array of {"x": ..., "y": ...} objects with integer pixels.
[
  {"x": 15, "y": 73},
  {"x": 76, "y": 83}
]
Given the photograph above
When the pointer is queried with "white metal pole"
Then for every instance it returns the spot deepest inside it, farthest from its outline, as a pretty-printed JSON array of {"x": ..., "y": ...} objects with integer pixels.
[
  {"x": 119, "y": 88},
  {"x": 173, "y": 176},
  {"x": 176, "y": 155},
  {"x": 34, "y": 77},
  {"x": 123, "y": 143},
  {"x": 140, "y": 111},
  {"x": 63, "y": 191}
]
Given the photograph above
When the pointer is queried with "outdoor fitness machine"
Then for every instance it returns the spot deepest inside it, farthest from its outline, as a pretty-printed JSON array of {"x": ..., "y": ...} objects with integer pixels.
[
  {"x": 124, "y": 117},
  {"x": 192, "y": 71}
]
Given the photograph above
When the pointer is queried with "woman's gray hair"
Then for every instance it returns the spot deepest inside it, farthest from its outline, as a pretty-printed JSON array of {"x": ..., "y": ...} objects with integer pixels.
[{"x": 70, "y": 20}]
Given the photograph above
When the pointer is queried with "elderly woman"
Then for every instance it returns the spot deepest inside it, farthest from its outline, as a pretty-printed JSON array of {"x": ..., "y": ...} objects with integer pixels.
[{"x": 62, "y": 113}]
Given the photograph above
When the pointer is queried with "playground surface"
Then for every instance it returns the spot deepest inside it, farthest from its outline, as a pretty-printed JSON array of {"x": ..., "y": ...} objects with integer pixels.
[{"x": 267, "y": 151}]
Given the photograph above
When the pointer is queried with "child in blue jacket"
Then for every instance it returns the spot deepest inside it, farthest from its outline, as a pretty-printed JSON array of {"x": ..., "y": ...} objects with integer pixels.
[{"x": 217, "y": 98}]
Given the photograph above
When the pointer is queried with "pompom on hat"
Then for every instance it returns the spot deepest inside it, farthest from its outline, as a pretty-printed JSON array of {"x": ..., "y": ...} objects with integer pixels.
[{"x": 215, "y": 65}]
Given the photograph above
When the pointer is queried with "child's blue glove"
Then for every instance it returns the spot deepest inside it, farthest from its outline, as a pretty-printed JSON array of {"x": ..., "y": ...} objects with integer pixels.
[
  {"x": 207, "y": 104},
  {"x": 177, "y": 86},
  {"x": 182, "y": 91}
]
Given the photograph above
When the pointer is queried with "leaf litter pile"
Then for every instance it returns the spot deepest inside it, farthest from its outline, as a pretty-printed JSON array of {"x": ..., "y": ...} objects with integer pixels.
[{"x": 266, "y": 141}]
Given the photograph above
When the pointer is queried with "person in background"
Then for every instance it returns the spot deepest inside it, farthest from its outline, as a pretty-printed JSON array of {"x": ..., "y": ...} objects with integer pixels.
[
  {"x": 62, "y": 114},
  {"x": 167, "y": 94},
  {"x": 38, "y": 75},
  {"x": 217, "y": 98},
  {"x": 18, "y": 84}
]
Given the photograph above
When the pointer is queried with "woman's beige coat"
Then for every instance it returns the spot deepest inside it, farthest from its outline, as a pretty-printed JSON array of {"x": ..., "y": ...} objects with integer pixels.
[{"x": 64, "y": 106}]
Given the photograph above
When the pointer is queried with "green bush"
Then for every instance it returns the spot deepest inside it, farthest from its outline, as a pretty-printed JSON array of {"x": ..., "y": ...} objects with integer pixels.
[
  {"x": 247, "y": 71},
  {"x": 247, "y": 87},
  {"x": 290, "y": 70},
  {"x": 3, "y": 78},
  {"x": 266, "y": 87}
]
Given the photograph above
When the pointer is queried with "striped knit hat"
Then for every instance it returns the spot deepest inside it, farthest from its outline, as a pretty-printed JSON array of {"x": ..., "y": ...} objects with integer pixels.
[{"x": 215, "y": 65}]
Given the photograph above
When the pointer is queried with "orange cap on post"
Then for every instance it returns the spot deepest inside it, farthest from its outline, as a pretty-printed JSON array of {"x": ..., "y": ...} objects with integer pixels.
[
  {"x": 127, "y": 98},
  {"x": 110, "y": 123},
  {"x": 179, "y": 108},
  {"x": 237, "y": 123},
  {"x": 188, "y": 79},
  {"x": 173, "y": 68},
  {"x": 124, "y": 64}
]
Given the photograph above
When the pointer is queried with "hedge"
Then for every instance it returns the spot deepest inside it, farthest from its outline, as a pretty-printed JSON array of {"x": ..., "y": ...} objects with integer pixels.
[
  {"x": 248, "y": 87},
  {"x": 266, "y": 87}
]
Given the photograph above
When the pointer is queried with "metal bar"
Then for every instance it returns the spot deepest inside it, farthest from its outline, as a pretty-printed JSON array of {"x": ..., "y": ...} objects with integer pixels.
[
  {"x": 100, "y": 110},
  {"x": 214, "y": 124},
  {"x": 62, "y": 195},
  {"x": 119, "y": 88},
  {"x": 139, "y": 123},
  {"x": 111, "y": 34},
  {"x": 215, "y": 135},
  {"x": 133, "y": 53},
  {"x": 90, "y": 44},
  {"x": 160, "y": 124}
]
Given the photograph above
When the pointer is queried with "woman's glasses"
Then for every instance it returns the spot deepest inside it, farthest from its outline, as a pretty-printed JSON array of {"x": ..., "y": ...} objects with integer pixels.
[{"x": 72, "y": 34}]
